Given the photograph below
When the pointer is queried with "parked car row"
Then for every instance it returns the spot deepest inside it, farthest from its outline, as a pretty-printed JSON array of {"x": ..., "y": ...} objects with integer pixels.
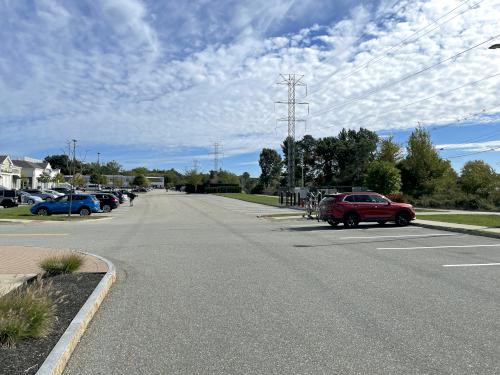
[
  {"x": 83, "y": 204},
  {"x": 353, "y": 208}
]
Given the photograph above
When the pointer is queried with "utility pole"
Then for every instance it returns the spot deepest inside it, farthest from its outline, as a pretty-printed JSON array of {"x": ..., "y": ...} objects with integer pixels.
[
  {"x": 99, "y": 170},
  {"x": 292, "y": 81},
  {"x": 73, "y": 178},
  {"x": 217, "y": 152}
]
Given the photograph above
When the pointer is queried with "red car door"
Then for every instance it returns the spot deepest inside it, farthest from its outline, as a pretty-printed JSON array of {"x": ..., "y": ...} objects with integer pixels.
[
  {"x": 382, "y": 209},
  {"x": 364, "y": 206}
]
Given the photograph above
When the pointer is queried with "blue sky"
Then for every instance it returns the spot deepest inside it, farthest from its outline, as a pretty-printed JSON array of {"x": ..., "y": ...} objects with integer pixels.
[{"x": 156, "y": 83}]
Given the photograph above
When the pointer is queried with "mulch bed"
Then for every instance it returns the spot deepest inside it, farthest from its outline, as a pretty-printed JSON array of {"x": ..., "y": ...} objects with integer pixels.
[{"x": 28, "y": 355}]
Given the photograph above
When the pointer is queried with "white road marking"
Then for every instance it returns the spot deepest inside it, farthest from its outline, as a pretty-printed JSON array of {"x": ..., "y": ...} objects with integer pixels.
[
  {"x": 398, "y": 236},
  {"x": 471, "y": 265},
  {"x": 434, "y": 247}
]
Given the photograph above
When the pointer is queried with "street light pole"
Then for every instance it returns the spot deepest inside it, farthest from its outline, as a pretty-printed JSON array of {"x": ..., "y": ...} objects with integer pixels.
[{"x": 98, "y": 171}]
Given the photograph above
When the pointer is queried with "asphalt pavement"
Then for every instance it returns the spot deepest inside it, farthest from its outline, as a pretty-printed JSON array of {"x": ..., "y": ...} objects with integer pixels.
[{"x": 206, "y": 287}]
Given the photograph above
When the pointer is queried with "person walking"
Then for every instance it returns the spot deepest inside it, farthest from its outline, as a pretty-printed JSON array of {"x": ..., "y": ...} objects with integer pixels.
[{"x": 132, "y": 197}]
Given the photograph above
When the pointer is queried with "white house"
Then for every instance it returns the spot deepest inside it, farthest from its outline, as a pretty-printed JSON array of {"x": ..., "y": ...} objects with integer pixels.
[
  {"x": 32, "y": 169},
  {"x": 10, "y": 174}
]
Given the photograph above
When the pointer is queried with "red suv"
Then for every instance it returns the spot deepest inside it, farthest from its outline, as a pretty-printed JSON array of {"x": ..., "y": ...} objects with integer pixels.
[{"x": 352, "y": 208}]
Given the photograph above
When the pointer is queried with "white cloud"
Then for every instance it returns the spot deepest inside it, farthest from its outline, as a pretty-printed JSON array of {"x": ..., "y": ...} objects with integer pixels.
[{"x": 122, "y": 89}]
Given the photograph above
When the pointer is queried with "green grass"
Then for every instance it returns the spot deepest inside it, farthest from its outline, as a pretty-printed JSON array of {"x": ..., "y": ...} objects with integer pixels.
[
  {"x": 66, "y": 263},
  {"x": 23, "y": 212},
  {"x": 255, "y": 198},
  {"x": 26, "y": 312},
  {"x": 481, "y": 220}
]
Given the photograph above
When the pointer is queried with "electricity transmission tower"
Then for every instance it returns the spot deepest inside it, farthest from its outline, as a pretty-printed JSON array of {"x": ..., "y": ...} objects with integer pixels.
[
  {"x": 218, "y": 150},
  {"x": 292, "y": 81}
]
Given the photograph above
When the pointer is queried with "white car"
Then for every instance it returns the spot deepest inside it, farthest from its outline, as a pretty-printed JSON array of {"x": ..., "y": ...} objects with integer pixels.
[
  {"x": 57, "y": 193},
  {"x": 28, "y": 198}
]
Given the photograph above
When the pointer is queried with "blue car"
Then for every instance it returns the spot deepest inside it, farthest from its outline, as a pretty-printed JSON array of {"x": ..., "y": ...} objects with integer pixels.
[{"x": 82, "y": 204}]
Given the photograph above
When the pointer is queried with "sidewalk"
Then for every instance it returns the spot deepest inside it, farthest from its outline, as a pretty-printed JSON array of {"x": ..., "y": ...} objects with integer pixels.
[
  {"x": 20, "y": 263},
  {"x": 460, "y": 228}
]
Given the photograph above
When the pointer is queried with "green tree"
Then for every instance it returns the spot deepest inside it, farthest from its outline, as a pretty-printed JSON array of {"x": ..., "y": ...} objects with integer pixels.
[
  {"x": 383, "y": 177},
  {"x": 355, "y": 151},
  {"x": 140, "y": 181},
  {"x": 139, "y": 171},
  {"x": 422, "y": 165},
  {"x": 223, "y": 177},
  {"x": 326, "y": 159},
  {"x": 389, "y": 150},
  {"x": 58, "y": 178},
  {"x": 477, "y": 177},
  {"x": 111, "y": 167},
  {"x": 44, "y": 178},
  {"x": 270, "y": 165},
  {"x": 61, "y": 162},
  {"x": 78, "y": 180},
  {"x": 306, "y": 152},
  {"x": 172, "y": 178},
  {"x": 99, "y": 179},
  {"x": 195, "y": 178}
]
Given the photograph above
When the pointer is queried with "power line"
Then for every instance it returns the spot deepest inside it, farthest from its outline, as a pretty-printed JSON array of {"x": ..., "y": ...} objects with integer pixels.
[
  {"x": 411, "y": 75},
  {"x": 291, "y": 81},
  {"x": 474, "y": 153},
  {"x": 401, "y": 44},
  {"x": 425, "y": 99}
]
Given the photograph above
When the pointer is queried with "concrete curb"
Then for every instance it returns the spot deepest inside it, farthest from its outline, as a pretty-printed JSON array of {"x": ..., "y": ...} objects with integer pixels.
[
  {"x": 57, "y": 359},
  {"x": 475, "y": 232}
]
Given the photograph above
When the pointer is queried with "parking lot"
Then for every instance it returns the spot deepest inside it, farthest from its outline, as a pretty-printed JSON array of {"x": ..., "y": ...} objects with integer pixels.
[{"x": 206, "y": 287}]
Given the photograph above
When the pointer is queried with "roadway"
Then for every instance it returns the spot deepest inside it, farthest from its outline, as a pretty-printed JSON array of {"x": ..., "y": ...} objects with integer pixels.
[{"x": 206, "y": 287}]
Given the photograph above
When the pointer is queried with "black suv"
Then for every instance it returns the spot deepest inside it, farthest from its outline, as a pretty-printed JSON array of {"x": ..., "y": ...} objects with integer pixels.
[
  {"x": 108, "y": 201},
  {"x": 8, "y": 198}
]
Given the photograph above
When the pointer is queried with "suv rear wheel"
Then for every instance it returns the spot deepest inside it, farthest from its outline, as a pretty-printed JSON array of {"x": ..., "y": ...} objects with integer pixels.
[
  {"x": 84, "y": 211},
  {"x": 106, "y": 208},
  {"x": 402, "y": 219},
  {"x": 42, "y": 211},
  {"x": 351, "y": 220}
]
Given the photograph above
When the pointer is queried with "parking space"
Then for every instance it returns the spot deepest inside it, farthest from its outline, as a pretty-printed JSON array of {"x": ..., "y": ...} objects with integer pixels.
[{"x": 411, "y": 244}]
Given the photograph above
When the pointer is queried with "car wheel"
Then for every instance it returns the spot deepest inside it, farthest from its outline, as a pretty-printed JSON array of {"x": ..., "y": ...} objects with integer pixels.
[
  {"x": 106, "y": 208},
  {"x": 84, "y": 211},
  {"x": 31, "y": 201},
  {"x": 351, "y": 220},
  {"x": 402, "y": 219},
  {"x": 382, "y": 222},
  {"x": 333, "y": 223},
  {"x": 42, "y": 211}
]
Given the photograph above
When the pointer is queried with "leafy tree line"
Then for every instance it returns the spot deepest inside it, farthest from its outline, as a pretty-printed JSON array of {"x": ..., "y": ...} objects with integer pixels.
[
  {"x": 361, "y": 158},
  {"x": 171, "y": 176}
]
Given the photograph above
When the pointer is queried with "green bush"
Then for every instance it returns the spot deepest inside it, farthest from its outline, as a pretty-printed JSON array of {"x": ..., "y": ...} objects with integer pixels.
[
  {"x": 26, "y": 312},
  {"x": 458, "y": 200},
  {"x": 58, "y": 264}
]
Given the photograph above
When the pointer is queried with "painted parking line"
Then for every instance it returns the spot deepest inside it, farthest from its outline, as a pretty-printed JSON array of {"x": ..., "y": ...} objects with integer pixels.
[
  {"x": 398, "y": 236},
  {"x": 32, "y": 234},
  {"x": 435, "y": 247},
  {"x": 471, "y": 265}
]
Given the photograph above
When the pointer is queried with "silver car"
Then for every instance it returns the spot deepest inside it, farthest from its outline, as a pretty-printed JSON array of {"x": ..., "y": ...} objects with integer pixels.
[{"x": 27, "y": 198}]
